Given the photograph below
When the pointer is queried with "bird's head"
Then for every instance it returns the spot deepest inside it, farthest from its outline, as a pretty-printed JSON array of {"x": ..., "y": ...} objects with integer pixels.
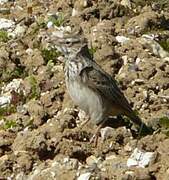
[{"x": 69, "y": 43}]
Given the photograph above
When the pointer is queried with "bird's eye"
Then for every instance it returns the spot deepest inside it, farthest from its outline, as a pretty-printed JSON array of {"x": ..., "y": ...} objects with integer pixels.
[{"x": 68, "y": 42}]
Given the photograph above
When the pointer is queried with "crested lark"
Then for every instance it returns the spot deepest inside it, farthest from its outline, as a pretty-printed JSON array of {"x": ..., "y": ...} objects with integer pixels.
[{"x": 89, "y": 86}]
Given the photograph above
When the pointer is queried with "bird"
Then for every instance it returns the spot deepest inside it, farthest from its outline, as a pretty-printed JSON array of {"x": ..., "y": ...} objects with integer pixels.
[{"x": 90, "y": 87}]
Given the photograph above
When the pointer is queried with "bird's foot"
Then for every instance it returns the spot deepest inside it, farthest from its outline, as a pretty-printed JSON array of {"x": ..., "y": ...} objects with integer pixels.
[
  {"x": 84, "y": 123},
  {"x": 94, "y": 139}
]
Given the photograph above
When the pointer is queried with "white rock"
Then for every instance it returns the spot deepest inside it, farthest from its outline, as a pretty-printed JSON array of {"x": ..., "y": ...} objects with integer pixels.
[
  {"x": 49, "y": 24},
  {"x": 14, "y": 85},
  {"x": 125, "y": 59},
  {"x": 111, "y": 157},
  {"x": 5, "y": 100},
  {"x": 145, "y": 93},
  {"x": 6, "y": 23},
  {"x": 122, "y": 39},
  {"x": 2, "y": 122},
  {"x": 66, "y": 159},
  {"x": 138, "y": 60},
  {"x": 29, "y": 51},
  {"x": 92, "y": 160},
  {"x": 75, "y": 12},
  {"x": 129, "y": 172},
  {"x": 60, "y": 31},
  {"x": 84, "y": 176},
  {"x": 140, "y": 158},
  {"x": 67, "y": 28},
  {"x": 126, "y": 3},
  {"x": 20, "y": 175},
  {"x": 106, "y": 133},
  {"x": 82, "y": 115},
  {"x": 59, "y": 34},
  {"x": 23, "y": 109},
  {"x": 127, "y": 147},
  {"x": 3, "y": 1},
  {"x": 18, "y": 31},
  {"x": 150, "y": 36},
  {"x": 154, "y": 46},
  {"x": 166, "y": 59}
]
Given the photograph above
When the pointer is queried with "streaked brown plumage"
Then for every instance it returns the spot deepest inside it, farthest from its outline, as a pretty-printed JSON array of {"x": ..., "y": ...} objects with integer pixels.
[{"x": 89, "y": 86}]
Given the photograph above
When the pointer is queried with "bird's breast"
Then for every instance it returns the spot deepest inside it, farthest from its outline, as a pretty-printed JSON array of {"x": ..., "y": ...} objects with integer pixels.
[{"x": 84, "y": 97}]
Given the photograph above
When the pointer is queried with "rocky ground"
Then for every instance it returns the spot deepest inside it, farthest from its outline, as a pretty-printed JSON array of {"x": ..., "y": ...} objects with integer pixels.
[{"x": 40, "y": 137}]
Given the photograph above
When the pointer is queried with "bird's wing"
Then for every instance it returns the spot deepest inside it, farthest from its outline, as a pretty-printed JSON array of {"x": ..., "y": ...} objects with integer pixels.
[{"x": 100, "y": 81}]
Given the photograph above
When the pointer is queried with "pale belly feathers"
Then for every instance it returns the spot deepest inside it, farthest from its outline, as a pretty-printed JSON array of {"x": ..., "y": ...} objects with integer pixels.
[{"x": 87, "y": 100}]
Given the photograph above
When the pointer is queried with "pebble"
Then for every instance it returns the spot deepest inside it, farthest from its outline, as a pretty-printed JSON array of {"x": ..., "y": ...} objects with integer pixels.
[
  {"x": 60, "y": 31},
  {"x": 106, "y": 133},
  {"x": 18, "y": 31},
  {"x": 6, "y": 23},
  {"x": 111, "y": 157},
  {"x": 125, "y": 59},
  {"x": 3, "y": 1},
  {"x": 14, "y": 85},
  {"x": 75, "y": 12},
  {"x": 5, "y": 100},
  {"x": 29, "y": 51},
  {"x": 154, "y": 46},
  {"x": 91, "y": 160},
  {"x": 127, "y": 147},
  {"x": 4, "y": 11},
  {"x": 140, "y": 158},
  {"x": 85, "y": 176},
  {"x": 126, "y": 3},
  {"x": 22, "y": 109},
  {"x": 49, "y": 24},
  {"x": 82, "y": 115},
  {"x": 122, "y": 39}
]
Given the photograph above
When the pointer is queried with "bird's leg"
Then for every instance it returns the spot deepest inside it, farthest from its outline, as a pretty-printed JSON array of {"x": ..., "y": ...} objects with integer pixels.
[
  {"x": 95, "y": 137},
  {"x": 84, "y": 123}
]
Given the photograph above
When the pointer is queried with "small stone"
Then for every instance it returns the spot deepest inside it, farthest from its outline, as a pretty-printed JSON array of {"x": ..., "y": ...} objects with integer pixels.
[
  {"x": 6, "y": 23},
  {"x": 29, "y": 51},
  {"x": 18, "y": 31},
  {"x": 15, "y": 85},
  {"x": 85, "y": 176},
  {"x": 70, "y": 163},
  {"x": 4, "y": 11},
  {"x": 75, "y": 12},
  {"x": 140, "y": 158},
  {"x": 111, "y": 157},
  {"x": 106, "y": 133},
  {"x": 154, "y": 46},
  {"x": 91, "y": 160},
  {"x": 81, "y": 115},
  {"x": 22, "y": 109},
  {"x": 122, "y": 39},
  {"x": 126, "y": 3},
  {"x": 3, "y": 1},
  {"x": 127, "y": 148},
  {"x": 5, "y": 100},
  {"x": 4, "y": 158},
  {"x": 49, "y": 24},
  {"x": 145, "y": 93},
  {"x": 79, "y": 6}
]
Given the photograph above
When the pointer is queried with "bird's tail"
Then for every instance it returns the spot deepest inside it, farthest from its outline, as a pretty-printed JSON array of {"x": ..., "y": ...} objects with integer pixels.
[{"x": 143, "y": 128}]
